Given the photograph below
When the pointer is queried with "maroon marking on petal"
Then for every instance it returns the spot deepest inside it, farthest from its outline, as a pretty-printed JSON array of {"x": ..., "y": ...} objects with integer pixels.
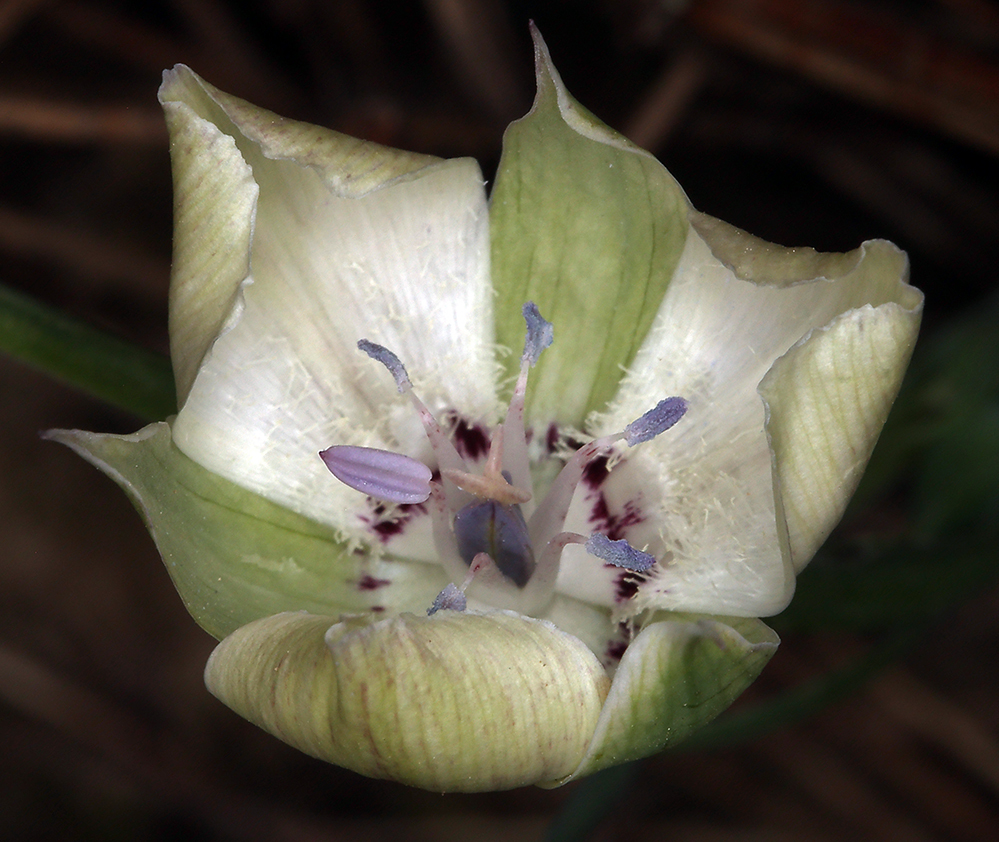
[
  {"x": 387, "y": 528},
  {"x": 370, "y": 583},
  {"x": 551, "y": 438},
  {"x": 596, "y": 472},
  {"x": 471, "y": 440},
  {"x": 614, "y": 525},
  {"x": 615, "y": 650},
  {"x": 377, "y": 608},
  {"x": 628, "y": 584},
  {"x": 600, "y": 514}
]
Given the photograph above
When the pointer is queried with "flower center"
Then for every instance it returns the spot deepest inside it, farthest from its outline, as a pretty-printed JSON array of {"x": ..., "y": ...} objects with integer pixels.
[{"x": 480, "y": 530}]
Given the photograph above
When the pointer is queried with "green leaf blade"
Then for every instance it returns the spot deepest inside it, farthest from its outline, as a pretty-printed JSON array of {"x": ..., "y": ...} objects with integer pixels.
[{"x": 102, "y": 365}]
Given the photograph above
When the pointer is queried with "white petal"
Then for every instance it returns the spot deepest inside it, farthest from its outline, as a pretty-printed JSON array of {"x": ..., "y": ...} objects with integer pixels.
[
  {"x": 619, "y": 508},
  {"x": 711, "y": 480},
  {"x": 405, "y": 266}
]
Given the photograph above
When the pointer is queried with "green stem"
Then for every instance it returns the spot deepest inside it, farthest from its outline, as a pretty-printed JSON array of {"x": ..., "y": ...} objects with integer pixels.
[{"x": 109, "y": 368}]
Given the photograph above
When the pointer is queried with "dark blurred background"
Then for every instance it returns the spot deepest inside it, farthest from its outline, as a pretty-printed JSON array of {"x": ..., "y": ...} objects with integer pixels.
[{"x": 807, "y": 122}]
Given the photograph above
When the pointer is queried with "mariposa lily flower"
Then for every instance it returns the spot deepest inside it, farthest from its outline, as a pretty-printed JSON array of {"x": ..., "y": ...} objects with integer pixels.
[{"x": 576, "y": 439}]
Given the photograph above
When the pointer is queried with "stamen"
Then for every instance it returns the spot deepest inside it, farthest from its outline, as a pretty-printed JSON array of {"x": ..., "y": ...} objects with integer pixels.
[
  {"x": 619, "y": 553},
  {"x": 657, "y": 420},
  {"x": 540, "y": 335},
  {"x": 488, "y": 538},
  {"x": 447, "y": 455},
  {"x": 449, "y": 599},
  {"x": 444, "y": 539},
  {"x": 549, "y": 518},
  {"x": 390, "y": 361},
  {"x": 494, "y": 461},
  {"x": 381, "y": 474},
  {"x": 540, "y": 590},
  {"x": 452, "y": 598}
]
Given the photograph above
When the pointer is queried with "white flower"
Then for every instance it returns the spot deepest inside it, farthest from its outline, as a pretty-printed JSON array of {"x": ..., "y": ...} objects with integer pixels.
[{"x": 294, "y": 244}]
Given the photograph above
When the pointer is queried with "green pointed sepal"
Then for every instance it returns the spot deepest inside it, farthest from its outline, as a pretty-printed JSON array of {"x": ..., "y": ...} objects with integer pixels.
[
  {"x": 233, "y": 556},
  {"x": 675, "y": 677},
  {"x": 590, "y": 227}
]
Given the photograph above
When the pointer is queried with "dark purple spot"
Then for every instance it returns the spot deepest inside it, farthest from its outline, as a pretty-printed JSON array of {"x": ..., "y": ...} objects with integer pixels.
[
  {"x": 628, "y": 584},
  {"x": 471, "y": 440},
  {"x": 370, "y": 583},
  {"x": 615, "y": 650},
  {"x": 614, "y": 525},
  {"x": 551, "y": 438},
  {"x": 377, "y": 608},
  {"x": 387, "y": 527},
  {"x": 596, "y": 471}
]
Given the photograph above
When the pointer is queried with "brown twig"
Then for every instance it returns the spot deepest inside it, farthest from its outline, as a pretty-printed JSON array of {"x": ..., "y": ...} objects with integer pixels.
[
  {"x": 879, "y": 60},
  {"x": 72, "y": 122},
  {"x": 668, "y": 99},
  {"x": 80, "y": 252}
]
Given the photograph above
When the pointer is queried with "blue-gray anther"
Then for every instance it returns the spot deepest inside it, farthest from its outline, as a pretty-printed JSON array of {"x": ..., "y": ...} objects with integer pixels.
[
  {"x": 657, "y": 420},
  {"x": 540, "y": 333},
  {"x": 619, "y": 553},
  {"x": 449, "y": 599},
  {"x": 499, "y": 531},
  {"x": 389, "y": 360},
  {"x": 381, "y": 474}
]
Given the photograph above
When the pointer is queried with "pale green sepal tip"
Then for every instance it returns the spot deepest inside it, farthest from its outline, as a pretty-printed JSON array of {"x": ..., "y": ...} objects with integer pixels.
[
  {"x": 454, "y": 702},
  {"x": 215, "y": 202},
  {"x": 349, "y": 166},
  {"x": 828, "y": 396},
  {"x": 233, "y": 556},
  {"x": 768, "y": 264},
  {"x": 675, "y": 677},
  {"x": 827, "y": 401},
  {"x": 216, "y": 142},
  {"x": 589, "y": 227}
]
